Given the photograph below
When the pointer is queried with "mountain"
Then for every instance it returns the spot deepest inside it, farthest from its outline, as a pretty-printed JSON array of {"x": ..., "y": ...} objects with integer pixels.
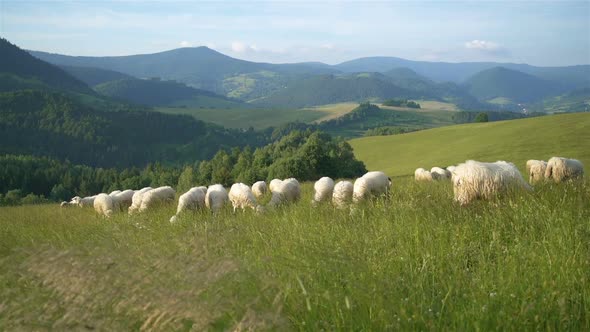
[
  {"x": 154, "y": 92},
  {"x": 20, "y": 70},
  {"x": 500, "y": 82},
  {"x": 94, "y": 76}
]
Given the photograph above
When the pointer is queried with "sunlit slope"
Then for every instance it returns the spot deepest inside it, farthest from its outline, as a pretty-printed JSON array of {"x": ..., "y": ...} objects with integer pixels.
[{"x": 565, "y": 135}]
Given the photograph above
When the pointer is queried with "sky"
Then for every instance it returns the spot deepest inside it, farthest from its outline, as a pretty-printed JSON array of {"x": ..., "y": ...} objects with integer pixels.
[{"x": 542, "y": 33}]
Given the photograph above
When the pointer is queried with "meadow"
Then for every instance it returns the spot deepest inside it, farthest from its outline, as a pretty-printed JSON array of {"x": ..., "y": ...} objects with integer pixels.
[{"x": 415, "y": 261}]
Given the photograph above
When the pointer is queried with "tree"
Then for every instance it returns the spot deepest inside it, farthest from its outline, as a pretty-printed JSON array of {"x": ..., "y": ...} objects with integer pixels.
[
  {"x": 482, "y": 117},
  {"x": 186, "y": 180}
]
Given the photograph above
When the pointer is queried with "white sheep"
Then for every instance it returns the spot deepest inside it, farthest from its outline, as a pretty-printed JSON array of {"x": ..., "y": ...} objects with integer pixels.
[
  {"x": 323, "y": 189},
  {"x": 451, "y": 168},
  {"x": 193, "y": 199},
  {"x": 371, "y": 184},
  {"x": 83, "y": 202},
  {"x": 241, "y": 197},
  {"x": 473, "y": 180},
  {"x": 65, "y": 204},
  {"x": 274, "y": 184},
  {"x": 259, "y": 189},
  {"x": 342, "y": 195},
  {"x": 440, "y": 173},
  {"x": 157, "y": 196},
  {"x": 137, "y": 198},
  {"x": 420, "y": 174},
  {"x": 536, "y": 170},
  {"x": 114, "y": 193},
  {"x": 216, "y": 197},
  {"x": 104, "y": 205},
  {"x": 561, "y": 169},
  {"x": 123, "y": 199},
  {"x": 287, "y": 191}
]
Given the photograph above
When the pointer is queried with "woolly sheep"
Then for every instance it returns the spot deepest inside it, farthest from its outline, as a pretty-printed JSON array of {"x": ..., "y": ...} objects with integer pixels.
[
  {"x": 241, "y": 197},
  {"x": 323, "y": 189},
  {"x": 536, "y": 170},
  {"x": 65, "y": 204},
  {"x": 342, "y": 195},
  {"x": 287, "y": 191},
  {"x": 259, "y": 189},
  {"x": 421, "y": 174},
  {"x": 451, "y": 168},
  {"x": 123, "y": 199},
  {"x": 216, "y": 197},
  {"x": 473, "y": 180},
  {"x": 193, "y": 199},
  {"x": 158, "y": 196},
  {"x": 137, "y": 198},
  {"x": 274, "y": 184},
  {"x": 104, "y": 205},
  {"x": 83, "y": 202},
  {"x": 371, "y": 184},
  {"x": 440, "y": 173},
  {"x": 561, "y": 169},
  {"x": 114, "y": 193}
]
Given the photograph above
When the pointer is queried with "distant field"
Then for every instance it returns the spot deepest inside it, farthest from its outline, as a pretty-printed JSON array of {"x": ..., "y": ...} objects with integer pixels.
[
  {"x": 500, "y": 101},
  {"x": 425, "y": 105},
  {"x": 333, "y": 111},
  {"x": 566, "y": 135}
]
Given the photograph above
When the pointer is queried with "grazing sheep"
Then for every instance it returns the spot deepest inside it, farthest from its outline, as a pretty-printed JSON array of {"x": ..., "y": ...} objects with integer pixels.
[
  {"x": 536, "y": 170},
  {"x": 259, "y": 189},
  {"x": 114, "y": 193},
  {"x": 137, "y": 198},
  {"x": 561, "y": 169},
  {"x": 342, "y": 195},
  {"x": 440, "y": 173},
  {"x": 242, "y": 197},
  {"x": 450, "y": 169},
  {"x": 274, "y": 184},
  {"x": 371, "y": 184},
  {"x": 104, "y": 205},
  {"x": 123, "y": 199},
  {"x": 83, "y": 202},
  {"x": 158, "y": 196},
  {"x": 287, "y": 191},
  {"x": 65, "y": 204},
  {"x": 323, "y": 189},
  {"x": 193, "y": 199},
  {"x": 216, "y": 197},
  {"x": 421, "y": 174},
  {"x": 473, "y": 180}
]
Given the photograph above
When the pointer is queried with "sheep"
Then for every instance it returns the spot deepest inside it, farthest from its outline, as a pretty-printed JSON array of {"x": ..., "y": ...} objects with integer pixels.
[
  {"x": 561, "y": 169},
  {"x": 65, "y": 204},
  {"x": 124, "y": 199},
  {"x": 440, "y": 173},
  {"x": 323, "y": 189},
  {"x": 274, "y": 184},
  {"x": 193, "y": 199},
  {"x": 451, "y": 168},
  {"x": 158, "y": 196},
  {"x": 536, "y": 170},
  {"x": 104, "y": 205},
  {"x": 137, "y": 198},
  {"x": 371, "y": 184},
  {"x": 342, "y": 194},
  {"x": 420, "y": 174},
  {"x": 241, "y": 197},
  {"x": 114, "y": 193},
  {"x": 286, "y": 191},
  {"x": 216, "y": 197},
  {"x": 259, "y": 189},
  {"x": 473, "y": 180},
  {"x": 83, "y": 202}
]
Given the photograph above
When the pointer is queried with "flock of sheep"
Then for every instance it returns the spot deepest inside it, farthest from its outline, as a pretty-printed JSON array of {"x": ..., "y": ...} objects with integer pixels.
[{"x": 471, "y": 180}]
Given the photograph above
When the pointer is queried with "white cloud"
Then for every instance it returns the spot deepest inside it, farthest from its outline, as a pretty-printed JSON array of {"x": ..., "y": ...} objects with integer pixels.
[
  {"x": 482, "y": 45},
  {"x": 184, "y": 43},
  {"x": 241, "y": 47}
]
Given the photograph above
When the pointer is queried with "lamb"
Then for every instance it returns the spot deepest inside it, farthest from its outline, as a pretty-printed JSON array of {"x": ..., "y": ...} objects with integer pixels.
[
  {"x": 342, "y": 194},
  {"x": 561, "y": 169},
  {"x": 420, "y": 174},
  {"x": 323, "y": 188},
  {"x": 123, "y": 199},
  {"x": 158, "y": 196},
  {"x": 83, "y": 202},
  {"x": 536, "y": 170},
  {"x": 242, "y": 197},
  {"x": 287, "y": 191},
  {"x": 193, "y": 199},
  {"x": 440, "y": 173},
  {"x": 216, "y": 197},
  {"x": 371, "y": 184},
  {"x": 473, "y": 180},
  {"x": 137, "y": 198},
  {"x": 104, "y": 205},
  {"x": 274, "y": 184},
  {"x": 259, "y": 189}
]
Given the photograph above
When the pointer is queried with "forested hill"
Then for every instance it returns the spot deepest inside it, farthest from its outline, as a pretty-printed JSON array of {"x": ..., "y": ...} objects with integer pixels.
[{"x": 54, "y": 125}]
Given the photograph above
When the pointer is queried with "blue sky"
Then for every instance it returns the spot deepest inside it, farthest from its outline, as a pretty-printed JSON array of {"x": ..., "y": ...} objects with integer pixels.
[{"x": 546, "y": 33}]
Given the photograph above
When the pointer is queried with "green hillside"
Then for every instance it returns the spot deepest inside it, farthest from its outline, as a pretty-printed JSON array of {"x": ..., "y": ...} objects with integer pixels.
[
  {"x": 94, "y": 76},
  {"x": 564, "y": 135}
]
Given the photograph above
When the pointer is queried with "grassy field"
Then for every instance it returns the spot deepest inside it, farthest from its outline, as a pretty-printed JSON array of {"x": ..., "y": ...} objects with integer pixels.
[
  {"x": 565, "y": 135},
  {"x": 425, "y": 106},
  {"x": 333, "y": 111},
  {"x": 414, "y": 262}
]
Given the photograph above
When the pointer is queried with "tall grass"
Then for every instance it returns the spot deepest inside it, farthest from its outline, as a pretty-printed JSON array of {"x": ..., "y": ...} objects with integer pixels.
[{"x": 414, "y": 261}]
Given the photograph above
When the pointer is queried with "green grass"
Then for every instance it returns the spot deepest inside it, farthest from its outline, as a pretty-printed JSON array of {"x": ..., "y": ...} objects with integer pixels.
[
  {"x": 414, "y": 262},
  {"x": 517, "y": 141},
  {"x": 425, "y": 106},
  {"x": 500, "y": 101}
]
